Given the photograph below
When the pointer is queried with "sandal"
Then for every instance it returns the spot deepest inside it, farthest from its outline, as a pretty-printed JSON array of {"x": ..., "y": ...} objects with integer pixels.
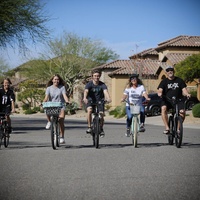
[{"x": 167, "y": 132}]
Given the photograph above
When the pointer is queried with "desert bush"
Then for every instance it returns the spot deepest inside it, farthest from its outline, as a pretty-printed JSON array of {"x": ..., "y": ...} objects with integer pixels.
[
  {"x": 119, "y": 111},
  {"x": 196, "y": 110}
]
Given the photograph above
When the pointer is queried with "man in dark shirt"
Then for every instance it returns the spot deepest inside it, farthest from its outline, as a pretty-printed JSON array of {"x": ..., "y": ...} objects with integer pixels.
[
  {"x": 95, "y": 90},
  {"x": 169, "y": 87}
]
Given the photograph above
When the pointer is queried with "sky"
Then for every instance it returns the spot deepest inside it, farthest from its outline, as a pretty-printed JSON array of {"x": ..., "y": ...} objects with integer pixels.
[{"x": 125, "y": 26}]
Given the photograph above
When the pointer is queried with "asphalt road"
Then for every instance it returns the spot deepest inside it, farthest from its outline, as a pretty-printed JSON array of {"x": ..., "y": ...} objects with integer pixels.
[{"x": 31, "y": 169}]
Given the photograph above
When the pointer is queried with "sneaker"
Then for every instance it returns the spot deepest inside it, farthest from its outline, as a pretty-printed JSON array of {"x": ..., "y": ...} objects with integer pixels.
[
  {"x": 102, "y": 134},
  {"x": 142, "y": 129},
  {"x": 127, "y": 134},
  {"x": 89, "y": 130},
  {"x": 48, "y": 125},
  {"x": 62, "y": 140}
]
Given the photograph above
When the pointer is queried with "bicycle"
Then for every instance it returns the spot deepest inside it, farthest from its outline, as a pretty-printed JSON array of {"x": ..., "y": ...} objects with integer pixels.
[
  {"x": 4, "y": 129},
  {"x": 175, "y": 123},
  {"x": 53, "y": 110},
  {"x": 135, "y": 125},
  {"x": 96, "y": 122}
]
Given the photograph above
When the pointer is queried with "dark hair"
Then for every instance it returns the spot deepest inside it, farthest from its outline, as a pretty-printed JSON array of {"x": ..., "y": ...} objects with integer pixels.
[
  {"x": 96, "y": 71},
  {"x": 134, "y": 76},
  {"x": 61, "y": 81},
  {"x": 7, "y": 79},
  {"x": 130, "y": 84}
]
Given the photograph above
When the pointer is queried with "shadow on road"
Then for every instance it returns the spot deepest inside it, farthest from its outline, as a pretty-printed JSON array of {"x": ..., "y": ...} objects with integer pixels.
[{"x": 100, "y": 146}]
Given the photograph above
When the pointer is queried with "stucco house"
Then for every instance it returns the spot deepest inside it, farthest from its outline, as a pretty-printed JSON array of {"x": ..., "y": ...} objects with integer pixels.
[{"x": 150, "y": 65}]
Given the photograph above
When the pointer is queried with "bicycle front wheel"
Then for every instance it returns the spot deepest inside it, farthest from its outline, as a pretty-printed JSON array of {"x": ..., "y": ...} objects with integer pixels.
[
  {"x": 1, "y": 137},
  {"x": 6, "y": 139},
  {"x": 96, "y": 128},
  {"x": 53, "y": 133},
  {"x": 57, "y": 134},
  {"x": 179, "y": 131},
  {"x": 135, "y": 131},
  {"x": 6, "y": 135},
  {"x": 171, "y": 129}
]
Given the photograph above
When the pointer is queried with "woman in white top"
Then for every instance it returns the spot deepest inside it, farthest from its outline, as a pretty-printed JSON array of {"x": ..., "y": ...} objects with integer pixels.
[
  {"x": 56, "y": 92},
  {"x": 134, "y": 93}
]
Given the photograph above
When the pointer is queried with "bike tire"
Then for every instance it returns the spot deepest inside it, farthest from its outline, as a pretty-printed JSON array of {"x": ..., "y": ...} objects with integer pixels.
[
  {"x": 96, "y": 125},
  {"x": 1, "y": 137},
  {"x": 93, "y": 135},
  {"x": 179, "y": 136},
  {"x": 135, "y": 131},
  {"x": 6, "y": 139},
  {"x": 53, "y": 134},
  {"x": 58, "y": 134},
  {"x": 6, "y": 135},
  {"x": 171, "y": 129}
]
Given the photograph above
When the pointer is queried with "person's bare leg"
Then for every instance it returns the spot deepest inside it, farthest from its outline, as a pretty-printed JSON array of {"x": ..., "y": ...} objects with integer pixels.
[
  {"x": 182, "y": 114},
  {"x": 61, "y": 121},
  {"x": 164, "y": 117},
  {"x": 89, "y": 116}
]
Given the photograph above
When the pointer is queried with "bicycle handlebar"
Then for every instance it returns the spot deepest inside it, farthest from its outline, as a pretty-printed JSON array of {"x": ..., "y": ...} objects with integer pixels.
[
  {"x": 98, "y": 102},
  {"x": 132, "y": 104},
  {"x": 173, "y": 99}
]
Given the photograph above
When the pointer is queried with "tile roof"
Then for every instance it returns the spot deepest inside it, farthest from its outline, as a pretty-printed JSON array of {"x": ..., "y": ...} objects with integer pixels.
[
  {"x": 176, "y": 57},
  {"x": 144, "y": 67},
  {"x": 181, "y": 41},
  {"x": 115, "y": 64},
  {"x": 146, "y": 52}
]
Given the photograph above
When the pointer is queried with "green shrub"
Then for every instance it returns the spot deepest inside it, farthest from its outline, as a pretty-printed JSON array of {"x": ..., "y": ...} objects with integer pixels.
[
  {"x": 196, "y": 110},
  {"x": 193, "y": 93},
  {"x": 72, "y": 108},
  {"x": 29, "y": 111},
  {"x": 119, "y": 111},
  {"x": 25, "y": 106},
  {"x": 36, "y": 109}
]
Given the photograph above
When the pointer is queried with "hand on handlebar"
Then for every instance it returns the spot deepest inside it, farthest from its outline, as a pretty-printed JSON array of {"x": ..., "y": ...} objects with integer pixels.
[
  {"x": 108, "y": 101},
  {"x": 67, "y": 103},
  {"x": 85, "y": 101},
  {"x": 188, "y": 96}
]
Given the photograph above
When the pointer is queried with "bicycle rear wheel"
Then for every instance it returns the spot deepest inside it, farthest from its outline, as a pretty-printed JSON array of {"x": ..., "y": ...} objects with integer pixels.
[
  {"x": 53, "y": 133},
  {"x": 171, "y": 129},
  {"x": 96, "y": 128},
  {"x": 179, "y": 132}
]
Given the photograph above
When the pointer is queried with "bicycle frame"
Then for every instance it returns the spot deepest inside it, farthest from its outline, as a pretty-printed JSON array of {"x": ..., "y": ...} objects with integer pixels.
[
  {"x": 97, "y": 121},
  {"x": 134, "y": 124},
  {"x": 53, "y": 110},
  {"x": 175, "y": 122}
]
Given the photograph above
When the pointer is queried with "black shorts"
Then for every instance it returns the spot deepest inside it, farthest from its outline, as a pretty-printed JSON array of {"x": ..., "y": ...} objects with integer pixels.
[
  {"x": 181, "y": 105},
  {"x": 5, "y": 109},
  {"x": 101, "y": 106}
]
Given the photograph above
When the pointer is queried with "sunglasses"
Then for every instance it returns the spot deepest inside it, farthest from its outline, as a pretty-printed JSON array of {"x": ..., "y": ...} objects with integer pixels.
[
  {"x": 133, "y": 78},
  {"x": 168, "y": 70}
]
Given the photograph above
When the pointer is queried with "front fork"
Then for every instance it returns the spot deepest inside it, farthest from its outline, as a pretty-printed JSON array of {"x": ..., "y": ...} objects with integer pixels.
[{"x": 133, "y": 123}]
